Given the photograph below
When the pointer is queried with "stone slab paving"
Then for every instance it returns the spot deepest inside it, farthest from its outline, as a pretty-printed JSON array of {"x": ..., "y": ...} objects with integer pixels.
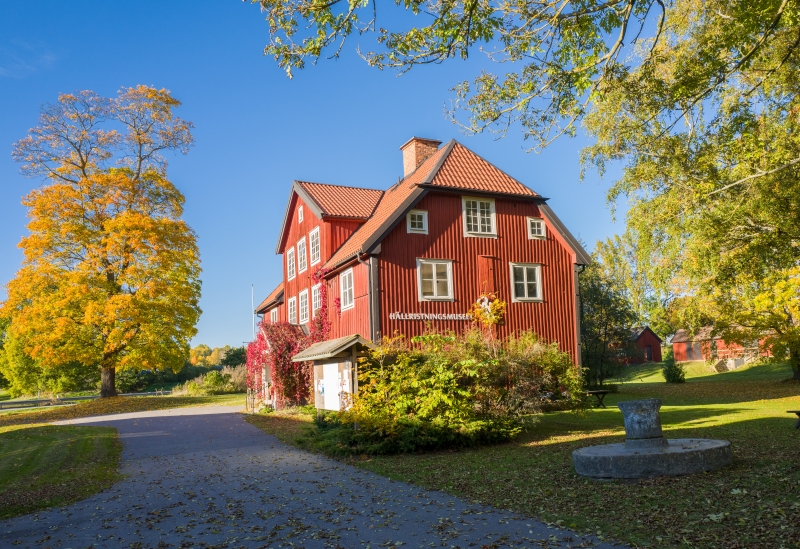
[{"x": 205, "y": 478}]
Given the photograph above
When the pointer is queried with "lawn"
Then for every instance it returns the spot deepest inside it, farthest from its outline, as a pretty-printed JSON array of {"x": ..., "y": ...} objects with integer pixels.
[
  {"x": 753, "y": 503},
  {"x": 47, "y": 465},
  {"x": 117, "y": 405}
]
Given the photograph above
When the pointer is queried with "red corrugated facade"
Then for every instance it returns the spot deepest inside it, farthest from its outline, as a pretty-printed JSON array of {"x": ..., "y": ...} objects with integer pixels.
[
  {"x": 384, "y": 259},
  {"x": 649, "y": 346}
]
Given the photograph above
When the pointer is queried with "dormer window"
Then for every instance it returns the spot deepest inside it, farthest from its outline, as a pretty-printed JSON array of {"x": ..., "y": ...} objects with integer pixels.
[
  {"x": 479, "y": 217},
  {"x": 536, "y": 228},
  {"x": 417, "y": 222}
]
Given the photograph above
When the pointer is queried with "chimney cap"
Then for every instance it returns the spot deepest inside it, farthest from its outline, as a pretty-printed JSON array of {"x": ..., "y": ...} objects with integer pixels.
[{"x": 423, "y": 139}]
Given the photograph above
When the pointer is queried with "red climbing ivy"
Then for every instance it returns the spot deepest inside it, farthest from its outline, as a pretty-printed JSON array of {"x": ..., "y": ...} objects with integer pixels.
[{"x": 276, "y": 344}]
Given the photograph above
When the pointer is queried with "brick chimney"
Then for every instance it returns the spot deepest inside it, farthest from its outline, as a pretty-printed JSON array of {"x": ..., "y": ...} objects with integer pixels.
[{"x": 416, "y": 151}]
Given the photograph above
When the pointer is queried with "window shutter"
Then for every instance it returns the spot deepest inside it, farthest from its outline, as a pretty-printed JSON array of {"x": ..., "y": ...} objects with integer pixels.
[{"x": 486, "y": 275}]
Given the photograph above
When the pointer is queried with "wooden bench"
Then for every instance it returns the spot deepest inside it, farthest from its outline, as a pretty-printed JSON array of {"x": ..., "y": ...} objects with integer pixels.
[
  {"x": 599, "y": 395},
  {"x": 797, "y": 413}
]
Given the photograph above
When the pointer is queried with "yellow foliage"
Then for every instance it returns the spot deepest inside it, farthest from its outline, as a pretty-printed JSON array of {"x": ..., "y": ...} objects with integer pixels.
[
  {"x": 488, "y": 310},
  {"x": 111, "y": 273}
]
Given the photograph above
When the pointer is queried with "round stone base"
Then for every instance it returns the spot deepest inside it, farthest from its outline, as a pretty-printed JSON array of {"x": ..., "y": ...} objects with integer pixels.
[{"x": 682, "y": 456}]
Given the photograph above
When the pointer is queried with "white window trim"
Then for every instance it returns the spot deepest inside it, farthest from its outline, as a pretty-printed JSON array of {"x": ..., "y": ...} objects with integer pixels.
[
  {"x": 491, "y": 201},
  {"x": 311, "y": 235},
  {"x": 300, "y": 214},
  {"x": 341, "y": 289},
  {"x": 291, "y": 271},
  {"x": 292, "y": 306},
  {"x": 302, "y": 299},
  {"x": 316, "y": 289},
  {"x": 424, "y": 229},
  {"x": 532, "y": 236},
  {"x": 449, "y": 262},
  {"x": 515, "y": 299},
  {"x": 273, "y": 315},
  {"x": 302, "y": 260}
]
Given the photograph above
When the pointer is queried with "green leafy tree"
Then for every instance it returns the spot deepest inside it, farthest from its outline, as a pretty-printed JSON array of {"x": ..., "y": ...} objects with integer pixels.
[
  {"x": 606, "y": 320},
  {"x": 235, "y": 357}
]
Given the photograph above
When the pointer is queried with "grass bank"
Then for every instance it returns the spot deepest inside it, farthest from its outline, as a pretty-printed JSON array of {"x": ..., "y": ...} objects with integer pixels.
[
  {"x": 43, "y": 466},
  {"x": 115, "y": 405},
  {"x": 753, "y": 503}
]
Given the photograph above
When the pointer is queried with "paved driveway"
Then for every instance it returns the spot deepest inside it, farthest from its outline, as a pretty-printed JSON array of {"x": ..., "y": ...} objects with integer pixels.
[{"x": 205, "y": 478}]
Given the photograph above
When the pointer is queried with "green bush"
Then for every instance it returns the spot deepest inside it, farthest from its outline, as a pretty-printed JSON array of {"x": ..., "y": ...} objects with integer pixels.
[
  {"x": 445, "y": 391},
  {"x": 673, "y": 371}
]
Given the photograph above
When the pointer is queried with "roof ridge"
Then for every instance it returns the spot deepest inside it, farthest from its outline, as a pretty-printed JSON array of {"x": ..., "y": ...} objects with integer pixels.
[{"x": 301, "y": 182}]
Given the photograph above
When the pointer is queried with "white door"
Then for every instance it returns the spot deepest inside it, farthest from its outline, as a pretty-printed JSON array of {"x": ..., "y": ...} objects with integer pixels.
[{"x": 330, "y": 380}]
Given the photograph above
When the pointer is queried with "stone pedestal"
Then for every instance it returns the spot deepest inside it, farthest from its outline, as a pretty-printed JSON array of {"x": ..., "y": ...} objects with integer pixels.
[{"x": 646, "y": 453}]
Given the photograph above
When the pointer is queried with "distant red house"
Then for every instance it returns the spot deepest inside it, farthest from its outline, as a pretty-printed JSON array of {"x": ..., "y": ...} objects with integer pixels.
[
  {"x": 648, "y": 343},
  {"x": 703, "y": 346}
]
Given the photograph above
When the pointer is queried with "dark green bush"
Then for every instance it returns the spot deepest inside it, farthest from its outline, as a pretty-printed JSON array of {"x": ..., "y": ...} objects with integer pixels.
[{"x": 673, "y": 371}]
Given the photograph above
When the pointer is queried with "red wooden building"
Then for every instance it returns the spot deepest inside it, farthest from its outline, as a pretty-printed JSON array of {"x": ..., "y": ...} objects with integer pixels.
[
  {"x": 424, "y": 250},
  {"x": 705, "y": 346},
  {"x": 648, "y": 343}
]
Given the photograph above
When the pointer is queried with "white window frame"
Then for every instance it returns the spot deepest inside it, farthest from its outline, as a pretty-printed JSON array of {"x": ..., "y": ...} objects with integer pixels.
[
  {"x": 302, "y": 299},
  {"x": 300, "y": 214},
  {"x": 533, "y": 236},
  {"x": 313, "y": 236},
  {"x": 424, "y": 229},
  {"x": 316, "y": 299},
  {"x": 292, "y": 309},
  {"x": 347, "y": 276},
  {"x": 302, "y": 255},
  {"x": 539, "y": 285},
  {"x": 492, "y": 217},
  {"x": 290, "y": 268},
  {"x": 273, "y": 316},
  {"x": 449, "y": 263}
]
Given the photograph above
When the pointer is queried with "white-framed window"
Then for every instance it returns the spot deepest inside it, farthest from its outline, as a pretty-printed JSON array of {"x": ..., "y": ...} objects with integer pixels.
[
  {"x": 273, "y": 315},
  {"x": 526, "y": 282},
  {"x": 435, "y": 279},
  {"x": 300, "y": 214},
  {"x": 346, "y": 292},
  {"x": 292, "y": 307},
  {"x": 302, "y": 297},
  {"x": 313, "y": 242},
  {"x": 536, "y": 228},
  {"x": 302, "y": 257},
  {"x": 290, "y": 263},
  {"x": 479, "y": 216},
  {"x": 417, "y": 222},
  {"x": 316, "y": 299}
]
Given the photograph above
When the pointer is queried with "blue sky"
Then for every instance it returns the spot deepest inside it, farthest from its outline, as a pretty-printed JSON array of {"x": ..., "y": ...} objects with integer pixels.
[{"x": 256, "y": 131}]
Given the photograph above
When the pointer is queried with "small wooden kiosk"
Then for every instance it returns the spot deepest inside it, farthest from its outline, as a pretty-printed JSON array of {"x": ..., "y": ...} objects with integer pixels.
[{"x": 335, "y": 370}]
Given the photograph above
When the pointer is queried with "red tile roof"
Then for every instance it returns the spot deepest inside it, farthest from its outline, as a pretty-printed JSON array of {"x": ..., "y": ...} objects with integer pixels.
[
  {"x": 389, "y": 204},
  {"x": 340, "y": 201},
  {"x": 463, "y": 169},
  {"x": 273, "y": 298}
]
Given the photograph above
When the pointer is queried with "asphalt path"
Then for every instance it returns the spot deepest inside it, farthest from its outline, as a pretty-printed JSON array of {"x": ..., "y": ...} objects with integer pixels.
[{"x": 205, "y": 478}]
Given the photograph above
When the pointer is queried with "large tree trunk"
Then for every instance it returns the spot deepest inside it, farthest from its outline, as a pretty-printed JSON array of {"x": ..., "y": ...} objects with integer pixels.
[
  {"x": 107, "y": 388},
  {"x": 794, "y": 362}
]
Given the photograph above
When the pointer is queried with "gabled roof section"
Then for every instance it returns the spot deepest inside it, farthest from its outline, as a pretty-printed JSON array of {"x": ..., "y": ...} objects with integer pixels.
[
  {"x": 638, "y": 331},
  {"x": 393, "y": 205},
  {"x": 341, "y": 201},
  {"x": 702, "y": 334},
  {"x": 330, "y": 348},
  {"x": 464, "y": 170},
  {"x": 274, "y": 298},
  {"x": 326, "y": 200}
]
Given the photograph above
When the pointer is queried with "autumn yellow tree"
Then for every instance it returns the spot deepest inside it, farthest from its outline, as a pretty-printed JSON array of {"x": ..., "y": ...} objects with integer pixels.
[{"x": 110, "y": 276}]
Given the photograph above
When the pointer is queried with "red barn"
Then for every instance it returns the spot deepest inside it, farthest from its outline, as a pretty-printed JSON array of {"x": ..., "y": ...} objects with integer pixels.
[
  {"x": 704, "y": 346},
  {"x": 424, "y": 250},
  {"x": 648, "y": 343}
]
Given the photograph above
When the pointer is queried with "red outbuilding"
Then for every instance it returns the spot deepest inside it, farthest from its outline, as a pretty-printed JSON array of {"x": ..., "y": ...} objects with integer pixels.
[
  {"x": 702, "y": 345},
  {"x": 423, "y": 251},
  {"x": 648, "y": 343}
]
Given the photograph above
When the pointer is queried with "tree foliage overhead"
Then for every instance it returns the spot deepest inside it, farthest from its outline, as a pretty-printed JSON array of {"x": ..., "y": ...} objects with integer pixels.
[{"x": 110, "y": 277}]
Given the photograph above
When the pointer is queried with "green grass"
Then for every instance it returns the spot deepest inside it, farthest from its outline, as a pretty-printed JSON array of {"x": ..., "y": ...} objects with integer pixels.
[
  {"x": 116, "y": 405},
  {"x": 43, "y": 466},
  {"x": 753, "y": 503}
]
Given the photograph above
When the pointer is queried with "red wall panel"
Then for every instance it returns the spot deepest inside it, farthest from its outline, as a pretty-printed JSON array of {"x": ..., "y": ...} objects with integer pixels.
[{"x": 554, "y": 318}]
